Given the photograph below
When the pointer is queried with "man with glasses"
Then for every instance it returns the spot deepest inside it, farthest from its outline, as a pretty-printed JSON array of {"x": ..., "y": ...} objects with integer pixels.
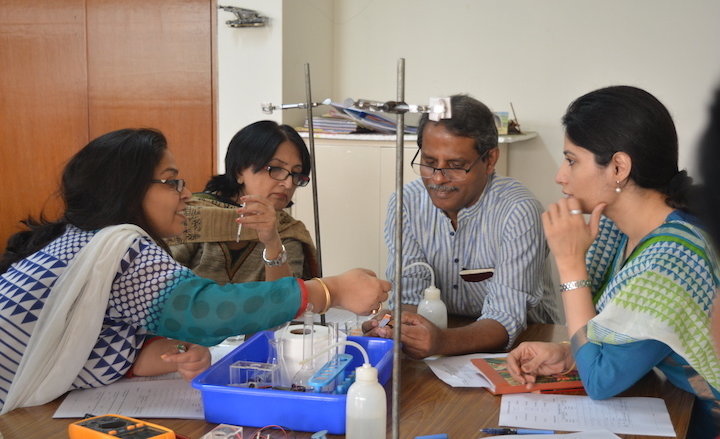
[{"x": 460, "y": 216}]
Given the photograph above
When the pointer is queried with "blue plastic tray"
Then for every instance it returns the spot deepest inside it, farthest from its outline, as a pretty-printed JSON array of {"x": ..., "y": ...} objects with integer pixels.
[{"x": 300, "y": 411}]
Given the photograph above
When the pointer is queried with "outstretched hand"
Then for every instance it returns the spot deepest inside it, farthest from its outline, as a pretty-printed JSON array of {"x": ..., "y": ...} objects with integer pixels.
[
  {"x": 190, "y": 363},
  {"x": 358, "y": 290}
]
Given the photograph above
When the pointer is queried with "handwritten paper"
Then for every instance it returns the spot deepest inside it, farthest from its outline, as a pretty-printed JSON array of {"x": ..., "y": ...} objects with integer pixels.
[
  {"x": 637, "y": 415},
  {"x": 136, "y": 398},
  {"x": 458, "y": 371},
  {"x": 595, "y": 434}
]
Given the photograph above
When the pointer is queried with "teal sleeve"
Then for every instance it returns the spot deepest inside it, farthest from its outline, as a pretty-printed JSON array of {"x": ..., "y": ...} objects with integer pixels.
[{"x": 200, "y": 311}]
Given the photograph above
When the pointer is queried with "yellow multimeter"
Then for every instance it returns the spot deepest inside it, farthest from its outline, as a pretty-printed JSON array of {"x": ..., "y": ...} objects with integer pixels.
[{"x": 116, "y": 426}]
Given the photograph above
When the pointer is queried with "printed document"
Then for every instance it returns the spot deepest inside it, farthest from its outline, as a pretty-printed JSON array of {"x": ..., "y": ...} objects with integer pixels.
[
  {"x": 167, "y": 396},
  {"x": 634, "y": 415}
]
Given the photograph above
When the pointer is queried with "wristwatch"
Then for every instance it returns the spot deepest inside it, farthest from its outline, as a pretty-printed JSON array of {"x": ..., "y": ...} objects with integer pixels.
[{"x": 281, "y": 258}]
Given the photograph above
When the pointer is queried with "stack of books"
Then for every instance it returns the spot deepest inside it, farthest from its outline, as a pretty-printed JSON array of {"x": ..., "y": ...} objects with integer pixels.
[{"x": 332, "y": 124}]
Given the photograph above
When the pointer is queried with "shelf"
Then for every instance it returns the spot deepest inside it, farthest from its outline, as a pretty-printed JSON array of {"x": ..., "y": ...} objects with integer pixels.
[
  {"x": 514, "y": 138},
  {"x": 509, "y": 138}
]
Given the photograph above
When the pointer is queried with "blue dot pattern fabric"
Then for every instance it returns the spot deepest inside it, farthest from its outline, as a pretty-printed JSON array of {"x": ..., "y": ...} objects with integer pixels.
[{"x": 151, "y": 294}]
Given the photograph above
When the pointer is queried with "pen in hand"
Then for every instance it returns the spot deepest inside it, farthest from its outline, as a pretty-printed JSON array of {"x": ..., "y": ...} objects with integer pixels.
[
  {"x": 502, "y": 431},
  {"x": 237, "y": 238}
]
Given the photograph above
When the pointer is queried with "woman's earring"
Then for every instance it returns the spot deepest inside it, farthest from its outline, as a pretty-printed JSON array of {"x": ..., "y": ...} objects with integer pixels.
[{"x": 618, "y": 189}]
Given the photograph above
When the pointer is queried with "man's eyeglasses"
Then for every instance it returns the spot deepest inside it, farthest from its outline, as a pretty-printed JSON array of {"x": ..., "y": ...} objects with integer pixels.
[
  {"x": 452, "y": 174},
  {"x": 280, "y": 174},
  {"x": 176, "y": 183}
]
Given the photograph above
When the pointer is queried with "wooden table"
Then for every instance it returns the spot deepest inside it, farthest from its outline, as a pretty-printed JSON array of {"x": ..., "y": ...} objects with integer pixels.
[{"x": 427, "y": 406}]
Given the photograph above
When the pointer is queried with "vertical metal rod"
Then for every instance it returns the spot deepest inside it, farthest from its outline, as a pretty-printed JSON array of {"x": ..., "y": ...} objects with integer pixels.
[
  {"x": 399, "y": 156},
  {"x": 313, "y": 173}
]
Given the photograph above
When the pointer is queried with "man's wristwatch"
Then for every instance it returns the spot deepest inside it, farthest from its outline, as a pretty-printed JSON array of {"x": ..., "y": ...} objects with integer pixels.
[{"x": 281, "y": 258}]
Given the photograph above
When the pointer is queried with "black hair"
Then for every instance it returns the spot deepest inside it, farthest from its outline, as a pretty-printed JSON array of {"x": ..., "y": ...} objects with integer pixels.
[
  {"x": 630, "y": 120},
  {"x": 253, "y": 147},
  {"x": 103, "y": 184},
  {"x": 710, "y": 172},
  {"x": 470, "y": 118}
]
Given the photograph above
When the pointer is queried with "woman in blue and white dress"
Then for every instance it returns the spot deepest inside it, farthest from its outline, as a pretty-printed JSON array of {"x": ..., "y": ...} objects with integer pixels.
[
  {"x": 639, "y": 278},
  {"x": 80, "y": 297}
]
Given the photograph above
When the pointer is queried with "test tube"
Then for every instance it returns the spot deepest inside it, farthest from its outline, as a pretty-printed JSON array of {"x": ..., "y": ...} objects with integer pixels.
[{"x": 333, "y": 339}]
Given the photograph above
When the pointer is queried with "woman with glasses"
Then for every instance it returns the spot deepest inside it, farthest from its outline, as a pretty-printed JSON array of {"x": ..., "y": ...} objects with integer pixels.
[
  {"x": 82, "y": 297},
  {"x": 637, "y": 278},
  {"x": 264, "y": 164}
]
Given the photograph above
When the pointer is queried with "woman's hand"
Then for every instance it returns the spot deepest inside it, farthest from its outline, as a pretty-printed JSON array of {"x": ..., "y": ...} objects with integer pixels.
[
  {"x": 568, "y": 235},
  {"x": 259, "y": 214},
  {"x": 532, "y": 359},
  {"x": 190, "y": 363},
  {"x": 357, "y": 290},
  {"x": 161, "y": 355}
]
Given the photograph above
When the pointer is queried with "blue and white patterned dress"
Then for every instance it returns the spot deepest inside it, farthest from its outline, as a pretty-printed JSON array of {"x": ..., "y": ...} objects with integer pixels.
[
  {"x": 151, "y": 294},
  {"x": 653, "y": 311}
]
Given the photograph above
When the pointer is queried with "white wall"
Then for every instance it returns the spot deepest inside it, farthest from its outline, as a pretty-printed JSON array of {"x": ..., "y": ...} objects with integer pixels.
[
  {"x": 307, "y": 37},
  {"x": 538, "y": 54},
  {"x": 249, "y": 70},
  {"x": 267, "y": 64}
]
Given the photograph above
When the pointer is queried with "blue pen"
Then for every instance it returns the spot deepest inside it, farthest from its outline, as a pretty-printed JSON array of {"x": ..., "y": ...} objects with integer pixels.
[{"x": 515, "y": 431}]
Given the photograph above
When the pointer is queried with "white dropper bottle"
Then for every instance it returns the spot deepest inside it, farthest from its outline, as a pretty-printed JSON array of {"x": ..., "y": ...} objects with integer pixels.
[{"x": 431, "y": 306}]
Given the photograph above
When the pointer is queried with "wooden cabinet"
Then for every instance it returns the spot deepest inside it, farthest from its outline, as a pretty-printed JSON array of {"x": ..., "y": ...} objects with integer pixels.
[{"x": 75, "y": 69}]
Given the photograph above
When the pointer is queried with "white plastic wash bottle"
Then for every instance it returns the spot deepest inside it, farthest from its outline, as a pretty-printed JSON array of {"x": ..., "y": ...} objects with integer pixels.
[
  {"x": 366, "y": 406},
  {"x": 431, "y": 306}
]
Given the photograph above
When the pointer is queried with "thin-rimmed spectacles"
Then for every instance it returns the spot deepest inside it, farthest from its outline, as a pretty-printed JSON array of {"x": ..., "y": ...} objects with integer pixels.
[
  {"x": 176, "y": 183},
  {"x": 281, "y": 174},
  {"x": 452, "y": 174}
]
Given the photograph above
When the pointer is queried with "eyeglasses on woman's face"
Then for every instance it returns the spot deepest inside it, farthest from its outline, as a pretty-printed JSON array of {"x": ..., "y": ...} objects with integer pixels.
[
  {"x": 176, "y": 183},
  {"x": 281, "y": 174}
]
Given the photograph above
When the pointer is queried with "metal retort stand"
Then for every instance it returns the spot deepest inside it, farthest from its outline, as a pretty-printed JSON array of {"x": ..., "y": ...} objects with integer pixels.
[{"x": 438, "y": 108}]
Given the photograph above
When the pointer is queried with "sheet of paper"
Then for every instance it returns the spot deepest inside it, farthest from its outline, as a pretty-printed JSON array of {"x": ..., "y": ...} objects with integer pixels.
[
  {"x": 168, "y": 396},
  {"x": 594, "y": 434},
  {"x": 458, "y": 371},
  {"x": 637, "y": 415}
]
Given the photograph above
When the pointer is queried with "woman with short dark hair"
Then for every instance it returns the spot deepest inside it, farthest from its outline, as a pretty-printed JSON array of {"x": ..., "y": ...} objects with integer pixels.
[{"x": 265, "y": 163}]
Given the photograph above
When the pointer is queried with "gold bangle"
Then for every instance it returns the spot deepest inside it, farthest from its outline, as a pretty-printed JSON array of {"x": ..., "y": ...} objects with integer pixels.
[{"x": 327, "y": 294}]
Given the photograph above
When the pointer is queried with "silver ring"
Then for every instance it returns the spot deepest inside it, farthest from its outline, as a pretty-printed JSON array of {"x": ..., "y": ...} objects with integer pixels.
[{"x": 575, "y": 212}]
